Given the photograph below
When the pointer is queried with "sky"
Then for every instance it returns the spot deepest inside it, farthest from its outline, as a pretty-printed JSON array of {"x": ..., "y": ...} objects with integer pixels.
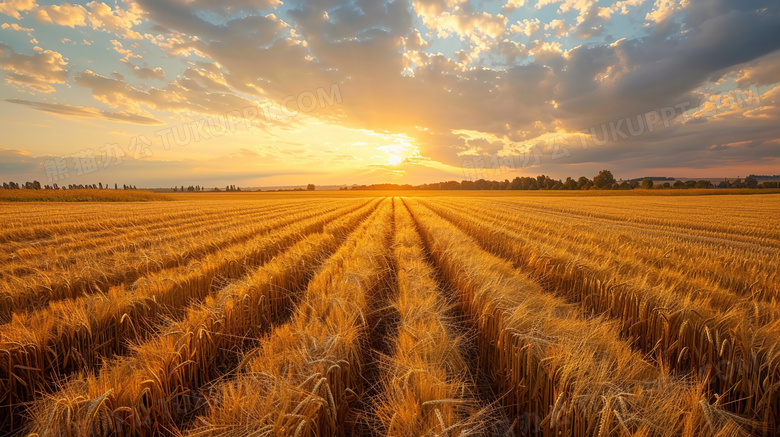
[{"x": 157, "y": 93}]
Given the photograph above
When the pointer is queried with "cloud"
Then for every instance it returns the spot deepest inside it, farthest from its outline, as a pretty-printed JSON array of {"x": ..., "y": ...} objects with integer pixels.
[
  {"x": 591, "y": 21},
  {"x": 506, "y": 94},
  {"x": 623, "y": 6},
  {"x": 36, "y": 72},
  {"x": 145, "y": 72},
  {"x": 511, "y": 5},
  {"x": 196, "y": 92},
  {"x": 511, "y": 50},
  {"x": 126, "y": 53},
  {"x": 16, "y": 27},
  {"x": 64, "y": 15},
  {"x": 85, "y": 112},
  {"x": 12, "y": 8},
  {"x": 527, "y": 27},
  {"x": 558, "y": 27},
  {"x": 762, "y": 71},
  {"x": 97, "y": 15},
  {"x": 665, "y": 9},
  {"x": 117, "y": 21}
]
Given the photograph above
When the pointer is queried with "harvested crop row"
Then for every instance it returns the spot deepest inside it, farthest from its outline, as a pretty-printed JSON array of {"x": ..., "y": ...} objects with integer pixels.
[
  {"x": 737, "y": 356},
  {"x": 559, "y": 372},
  {"x": 158, "y": 385},
  {"x": 305, "y": 378},
  {"x": 427, "y": 386},
  {"x": 73, "y": 334},
  {"x": 30, "y": 295}
]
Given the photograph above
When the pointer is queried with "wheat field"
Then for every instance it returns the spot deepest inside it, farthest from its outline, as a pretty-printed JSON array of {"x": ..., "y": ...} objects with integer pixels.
[{"x": 391, "y": 314}]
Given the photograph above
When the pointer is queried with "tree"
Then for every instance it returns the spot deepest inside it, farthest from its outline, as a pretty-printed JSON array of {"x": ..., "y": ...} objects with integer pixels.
[
  {"x": 604, "y": 179},
  {"x": 647, "y": 184},
  {"x": 751, "y": 182},
  {"x": 310, "y": 187}
]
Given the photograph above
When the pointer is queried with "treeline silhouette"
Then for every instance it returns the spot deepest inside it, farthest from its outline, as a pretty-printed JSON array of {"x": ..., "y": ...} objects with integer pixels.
[
  {"x": 602, "y": 181},
  {"x": 35, "y": 185}
]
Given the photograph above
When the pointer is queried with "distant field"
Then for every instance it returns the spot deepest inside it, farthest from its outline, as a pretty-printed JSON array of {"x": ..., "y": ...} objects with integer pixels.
[
  {"x": 79, "y": 196},
  {"x": 399, "y": 314},
  {"x": 470, "y": 193}
]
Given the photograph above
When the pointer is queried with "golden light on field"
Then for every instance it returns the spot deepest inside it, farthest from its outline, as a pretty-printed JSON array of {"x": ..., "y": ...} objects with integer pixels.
[
  {"x": 405, "y": 218},
  {"x": 310, "y": 311}
]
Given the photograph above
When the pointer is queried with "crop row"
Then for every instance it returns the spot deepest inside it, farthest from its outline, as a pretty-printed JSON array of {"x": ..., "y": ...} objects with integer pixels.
[
  {"x": 558, "y": 371},
  {"x": 78, "y": 333},
  {"x": 736, "y": 356}
]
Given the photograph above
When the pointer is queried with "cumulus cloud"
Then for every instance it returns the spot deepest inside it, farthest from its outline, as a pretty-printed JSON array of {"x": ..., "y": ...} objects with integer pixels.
[
  {"x": 527, "y": 27},
  {"x": 511, "y": 5},
  {"x": 65, "y": 14},
  {"x": 97, "y": 15},
  {"x": 126, "y": 53},
  {"x": 665, "y": 9},
  {"x": 558, "y": 27},
  {"x": 36, "y": 72},
  {"x": 145, "y": 72},
  {"x": 13, "y": 8},
  {"x": 16, "y": 27}
]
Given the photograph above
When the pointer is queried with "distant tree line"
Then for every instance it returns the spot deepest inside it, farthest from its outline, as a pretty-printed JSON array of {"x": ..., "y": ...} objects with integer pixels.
[
  {"x": 602, "y": 181},
  {"x": 191, "y": 189},
  {"x": 35, "y": 185}
]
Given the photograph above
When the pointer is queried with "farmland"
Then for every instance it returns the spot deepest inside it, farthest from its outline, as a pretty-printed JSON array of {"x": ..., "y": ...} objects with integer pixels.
[{"x": 402, "y": 314}]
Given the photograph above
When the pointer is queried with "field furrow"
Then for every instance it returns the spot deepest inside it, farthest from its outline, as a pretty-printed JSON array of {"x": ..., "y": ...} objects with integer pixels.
[
  {"x": 358, "y": 313},
  {"x": 96, "y": 275},
  {"x": 160, "y": 380},
  {"x": 734, "y": 351},
  {"x": 427, "y": 387},
  {"x": 76, "y": 334},
  {"x": 305, "y": 378},
  {"x": 559, "y": 372},
  {"x": 22, "y": 259}
]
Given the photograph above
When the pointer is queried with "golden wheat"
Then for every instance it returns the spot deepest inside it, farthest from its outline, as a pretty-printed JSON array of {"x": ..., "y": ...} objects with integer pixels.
[{"x": 314, "y": 314}]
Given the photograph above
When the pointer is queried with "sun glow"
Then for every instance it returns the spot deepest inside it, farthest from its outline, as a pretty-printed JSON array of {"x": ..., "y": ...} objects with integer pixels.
[
  {"x": 395, "y": 154},
  {"x": 395, "y": 160}
]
